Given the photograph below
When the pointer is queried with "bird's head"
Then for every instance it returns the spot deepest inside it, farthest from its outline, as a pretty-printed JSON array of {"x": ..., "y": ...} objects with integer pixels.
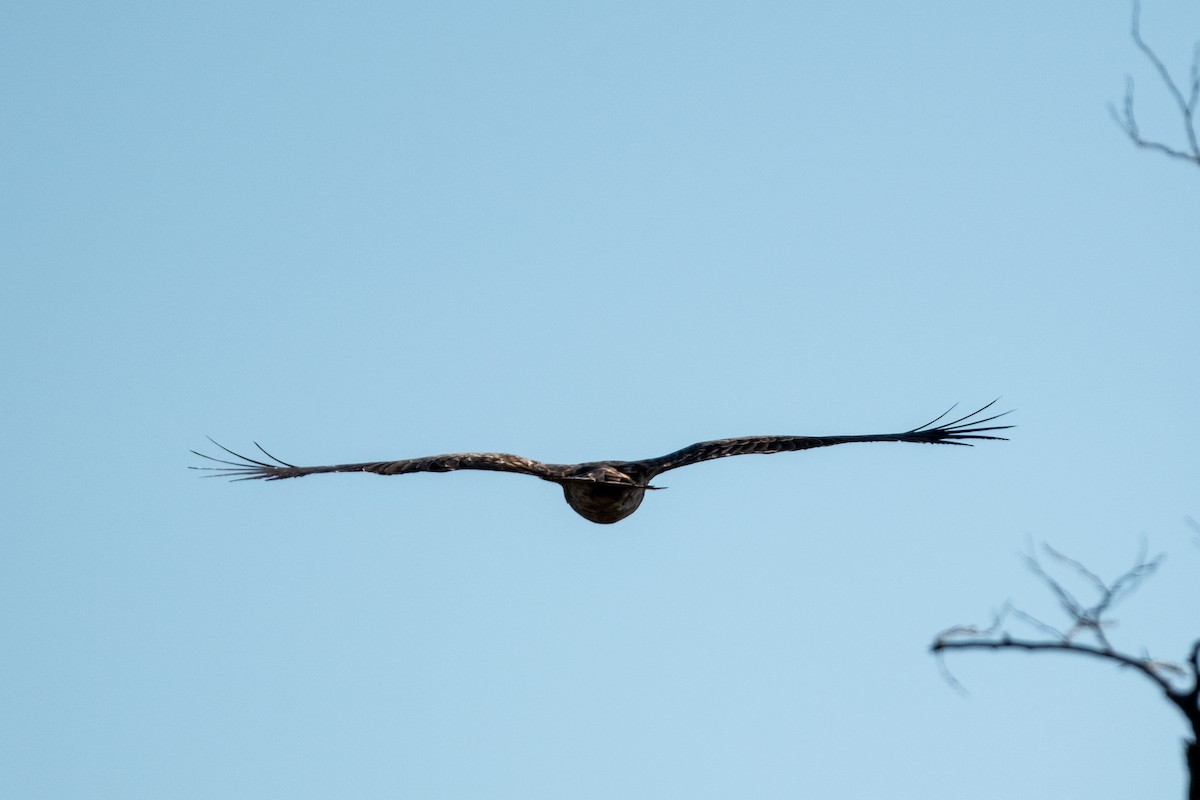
[{"x": 603, "y": 473}]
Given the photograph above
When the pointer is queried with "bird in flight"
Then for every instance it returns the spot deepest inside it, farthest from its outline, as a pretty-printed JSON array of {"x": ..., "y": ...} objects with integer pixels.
[{"x": 609, "y": 491}]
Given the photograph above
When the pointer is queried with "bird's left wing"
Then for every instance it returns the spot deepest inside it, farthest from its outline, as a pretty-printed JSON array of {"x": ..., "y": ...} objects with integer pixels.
[
  {"x": 961, "y": 431},
  {"x": 248, "y": 469}
]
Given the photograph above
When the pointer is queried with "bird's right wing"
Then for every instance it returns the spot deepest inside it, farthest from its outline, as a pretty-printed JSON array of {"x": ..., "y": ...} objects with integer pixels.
[{"x": 249, "y": 469}]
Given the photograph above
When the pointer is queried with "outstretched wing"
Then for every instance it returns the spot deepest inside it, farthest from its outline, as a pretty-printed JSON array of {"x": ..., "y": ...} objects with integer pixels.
[
  {"x": 960, "y": 431},
  {"x": 249, "y": 469}
]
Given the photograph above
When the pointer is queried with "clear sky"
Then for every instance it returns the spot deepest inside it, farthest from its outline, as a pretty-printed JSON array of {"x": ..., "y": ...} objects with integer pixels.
[{"x": 358, "y": 231}]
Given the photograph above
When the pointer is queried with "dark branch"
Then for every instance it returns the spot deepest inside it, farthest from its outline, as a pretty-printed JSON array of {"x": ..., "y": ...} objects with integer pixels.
[
  {"x": 1187, "y": 105},
  {"x": 1091, "y": 618},
  {"x": 1147, "y": 667},
  {"x": 1083, "y": 617},
  {"x": 1171, "y": 679},
  {"x": 1193, "y": 696}
]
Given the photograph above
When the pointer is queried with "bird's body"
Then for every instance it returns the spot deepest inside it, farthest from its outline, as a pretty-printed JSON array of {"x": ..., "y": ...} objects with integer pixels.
[
  {"x": 609, "y": 495},
  {"x": 608, "y": 491}
]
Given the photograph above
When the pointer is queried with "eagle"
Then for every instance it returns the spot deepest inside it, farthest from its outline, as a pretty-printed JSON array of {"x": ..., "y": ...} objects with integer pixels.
[{"x": 609, "y": 491}]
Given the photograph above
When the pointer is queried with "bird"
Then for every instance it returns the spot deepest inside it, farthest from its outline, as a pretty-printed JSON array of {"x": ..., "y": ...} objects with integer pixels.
[{"x": 605, "y": 492}]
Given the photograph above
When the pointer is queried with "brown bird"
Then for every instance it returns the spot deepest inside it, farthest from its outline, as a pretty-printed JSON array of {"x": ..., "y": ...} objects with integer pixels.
[{"x": 609, "y": 491}]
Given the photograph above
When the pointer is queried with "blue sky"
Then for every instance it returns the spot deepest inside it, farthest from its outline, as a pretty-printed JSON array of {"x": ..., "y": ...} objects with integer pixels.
[{"x": 583, "y": 231}]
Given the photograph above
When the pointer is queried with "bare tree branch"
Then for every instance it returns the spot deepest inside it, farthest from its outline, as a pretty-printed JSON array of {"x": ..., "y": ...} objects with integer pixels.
[
  {"x": 1083, "y": 618},
  {"x": 1187, "y": 105},
  {"x": 1033, "y": 621},
  {"x": 1145, "y": 666},
  {"x": 1193, "y": 695},
  {"x": 1086, "y": 618},
  {"x": 1093, "y": 618}
]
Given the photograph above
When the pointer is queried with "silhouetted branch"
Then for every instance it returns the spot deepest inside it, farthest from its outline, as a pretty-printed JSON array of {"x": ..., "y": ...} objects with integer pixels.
[
  {"x": 1148, "y": 667},
  {"x": 1089, "y": 618},
  {"x": 1093, "y": 618},
  {"x": 1187, "y": 105}
]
